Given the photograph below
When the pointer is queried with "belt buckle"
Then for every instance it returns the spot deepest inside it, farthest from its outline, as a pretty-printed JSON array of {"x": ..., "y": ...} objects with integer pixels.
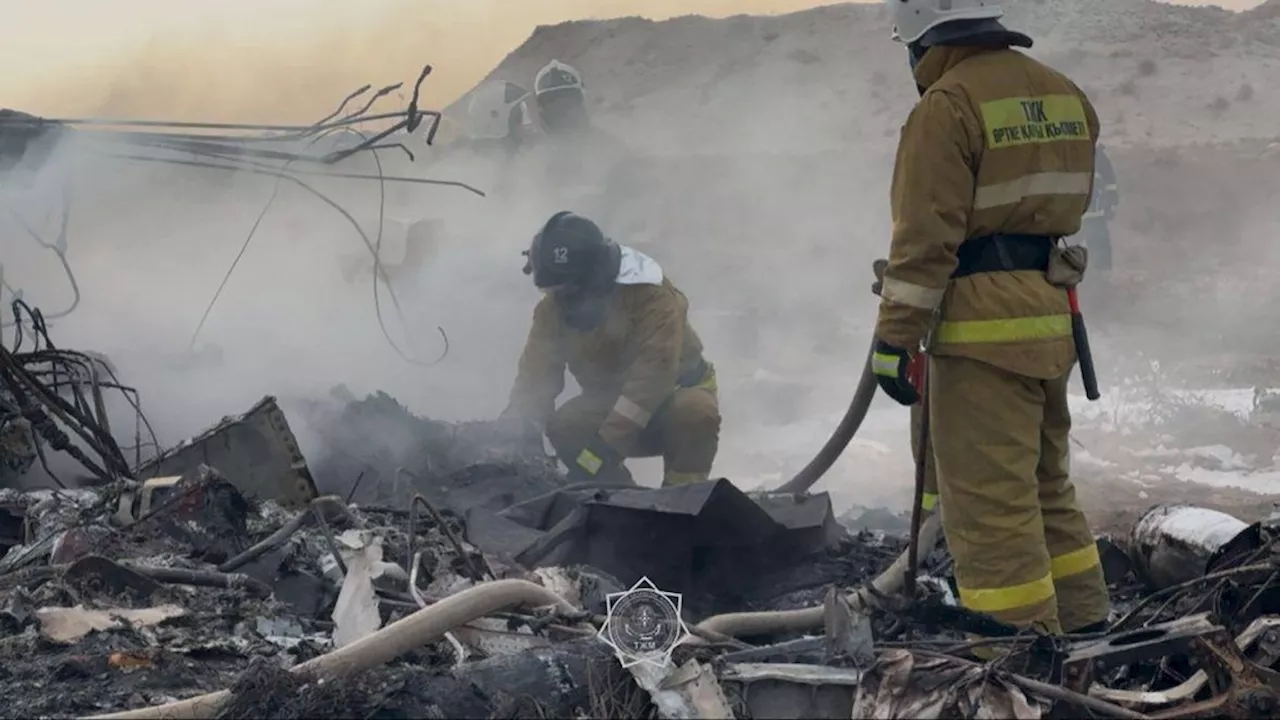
[{"x": 929, "y": 337}]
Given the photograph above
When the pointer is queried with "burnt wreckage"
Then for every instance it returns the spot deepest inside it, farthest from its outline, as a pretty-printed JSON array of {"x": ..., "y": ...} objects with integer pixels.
[
  {"x": 414, "y": 568},
  {"x": 428, "y": 569}
]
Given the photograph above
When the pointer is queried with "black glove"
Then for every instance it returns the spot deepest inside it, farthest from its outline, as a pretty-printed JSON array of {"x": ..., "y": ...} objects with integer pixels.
[
  {"x": 595, "y": 458},
  {"x": 891, "y": 367}
]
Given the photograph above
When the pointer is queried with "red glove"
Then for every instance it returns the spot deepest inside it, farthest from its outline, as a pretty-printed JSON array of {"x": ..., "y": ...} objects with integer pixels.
[{"x": 916, "y": 367}]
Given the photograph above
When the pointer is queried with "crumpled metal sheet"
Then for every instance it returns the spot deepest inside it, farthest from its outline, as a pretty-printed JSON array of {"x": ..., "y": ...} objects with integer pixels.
[
  {"x": 67, "y": 625},
  {"x": 686, "y": 691},
  {"x": 257, "y": 451},
  {"x": 902, "y": 685},
  {"x": 356, "y": 615}
]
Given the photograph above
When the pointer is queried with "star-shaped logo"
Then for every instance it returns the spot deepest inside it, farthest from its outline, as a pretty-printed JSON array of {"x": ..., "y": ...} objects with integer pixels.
[{"x": 643, "y": 624}]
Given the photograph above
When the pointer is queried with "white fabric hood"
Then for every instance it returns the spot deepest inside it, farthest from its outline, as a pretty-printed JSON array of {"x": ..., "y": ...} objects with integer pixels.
[{"x": 638, "y": 269}]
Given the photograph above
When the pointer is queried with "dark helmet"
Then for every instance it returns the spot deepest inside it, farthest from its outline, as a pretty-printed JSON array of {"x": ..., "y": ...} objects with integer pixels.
[{"x": 570, "y": 250}]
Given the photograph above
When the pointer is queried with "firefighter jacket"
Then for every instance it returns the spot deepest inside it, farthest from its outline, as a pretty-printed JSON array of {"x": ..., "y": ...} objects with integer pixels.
[
  {"x": 638, "y": 356},
  {"x": 588, "y": 170},
  {"x": 999, "y": 143},
  {"x": 1106, "y": 196}
]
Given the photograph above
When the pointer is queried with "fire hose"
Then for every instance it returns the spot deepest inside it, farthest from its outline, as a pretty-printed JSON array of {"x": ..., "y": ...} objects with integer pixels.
[
  {"x": 414, "y": 631},
  {"x": 890, "y": 582},
  {"x": 840, "y": 438},
  {"x": 852, "y": 420},
  {"x": 866, "y": 392}
]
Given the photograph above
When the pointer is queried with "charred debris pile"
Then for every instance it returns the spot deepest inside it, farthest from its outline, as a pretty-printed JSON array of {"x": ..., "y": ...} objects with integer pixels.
[{"x": 463, "y": 577}]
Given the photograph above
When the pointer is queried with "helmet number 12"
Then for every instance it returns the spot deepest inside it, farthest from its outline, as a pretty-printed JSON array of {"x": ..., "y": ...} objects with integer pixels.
[{"x": 560, "y": 255}]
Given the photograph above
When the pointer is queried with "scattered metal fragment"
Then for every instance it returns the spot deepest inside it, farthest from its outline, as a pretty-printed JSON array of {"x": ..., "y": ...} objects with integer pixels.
[
  {"x": 257, "y": 450},
  {"x": 68, "y": 624},
  {"x": 790, "y": 690},
  {"x": 382, "y": 605},
  {"x": 1173, "y": 544}
]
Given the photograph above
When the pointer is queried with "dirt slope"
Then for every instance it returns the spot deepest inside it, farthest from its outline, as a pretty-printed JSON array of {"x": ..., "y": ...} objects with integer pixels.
[{"x": 827, "y": 77}]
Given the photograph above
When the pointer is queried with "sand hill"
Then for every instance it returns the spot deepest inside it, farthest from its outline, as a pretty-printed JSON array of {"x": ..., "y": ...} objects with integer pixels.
[{"x": 830, "y": 77}]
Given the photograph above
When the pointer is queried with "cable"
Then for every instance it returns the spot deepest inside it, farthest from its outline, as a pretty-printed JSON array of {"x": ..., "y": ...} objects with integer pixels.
[
  {"x": 234, "y": 263},
  {"x": 408, "y": 119},
  {"x": 379, "y": 270},
  {"x": 250, "y": 166},
  {"x": 373, "y": 249},
  {"x": 58, "y": 247}
]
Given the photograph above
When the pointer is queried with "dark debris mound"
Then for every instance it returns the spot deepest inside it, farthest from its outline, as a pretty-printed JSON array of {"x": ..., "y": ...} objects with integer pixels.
[
  {"x": 396, "y": 453},
  {"x": 103, "y": 672},
  {"x": 854, "y": 561},
  {"x": 266, "y": 690}
]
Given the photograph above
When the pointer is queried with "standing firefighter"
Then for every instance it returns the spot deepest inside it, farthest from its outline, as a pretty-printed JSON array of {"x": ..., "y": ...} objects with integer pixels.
[
  {"x": 994, "y": 167},
  {"x": 581, "y": 164},
  {"x": 613, "y": 319},
  {"x": 1095, "y": 230}
]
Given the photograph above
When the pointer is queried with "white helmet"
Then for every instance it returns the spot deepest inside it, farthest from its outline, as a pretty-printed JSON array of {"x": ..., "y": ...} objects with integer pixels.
[
  {"x": 913, "y": 18},
  {"x": 556, "y": 75},
  {"x": 489, "y": 112}
]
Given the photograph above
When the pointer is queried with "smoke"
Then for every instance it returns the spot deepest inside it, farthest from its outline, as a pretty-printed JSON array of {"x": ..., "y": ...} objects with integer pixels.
[
  {"x": 762, "y": 192},
  {"x": 760, "y": 242}
]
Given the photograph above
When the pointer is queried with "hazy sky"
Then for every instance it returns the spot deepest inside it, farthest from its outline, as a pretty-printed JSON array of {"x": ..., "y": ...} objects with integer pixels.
[{"x": 279, "y": 60}]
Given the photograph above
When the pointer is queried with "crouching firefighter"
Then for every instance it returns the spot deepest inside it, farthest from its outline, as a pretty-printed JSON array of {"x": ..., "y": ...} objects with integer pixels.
[
  {"x": 994, "y": 167},
  {"x": 622, "y": 328}
]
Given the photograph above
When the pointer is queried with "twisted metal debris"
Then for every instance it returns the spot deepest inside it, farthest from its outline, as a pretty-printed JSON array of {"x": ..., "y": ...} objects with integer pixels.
[
  {"x": 165, "y": 142},
  {"x": 46, "y": 389}
]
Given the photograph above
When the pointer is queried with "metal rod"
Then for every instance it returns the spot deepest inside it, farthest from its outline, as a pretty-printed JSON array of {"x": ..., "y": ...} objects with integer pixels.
[{"x": 917, "y": 512}]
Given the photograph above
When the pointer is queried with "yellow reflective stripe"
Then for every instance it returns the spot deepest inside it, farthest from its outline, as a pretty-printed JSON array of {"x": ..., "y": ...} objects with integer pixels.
[
  {"x": 1042, "y": 327},
  {"x": 885, "y": 364},
  {"x": 910, "y": 294},
  {"x": 709, "y": 383},
  {"x": 991, "y": 600},
  {"x": 929, "y": 502},
  {"x": 1011, "y": 122},
  {"x": 1046, "y": 183},
  {"x": 1075, "y": 562},
  {"x": 1112, "y": 186},
  {"x": 632, "y": 411},
  {"x": 589, "y": 461}
]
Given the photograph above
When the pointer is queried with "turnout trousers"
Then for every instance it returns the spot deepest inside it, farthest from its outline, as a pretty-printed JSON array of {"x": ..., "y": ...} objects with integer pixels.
[
  {"x": 685, "y": 432},
  {"x": 1023, "y": 549}
]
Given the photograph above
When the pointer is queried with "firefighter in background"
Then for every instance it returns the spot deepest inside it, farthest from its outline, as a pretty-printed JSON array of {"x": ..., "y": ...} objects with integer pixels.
[
  {"x": 613, "y": 319},
  {"x": 994, "y": 167},
  {"x": 1095, "y": 228},
  {"x": 584, "y": 166},
  {"x": 561, "y": 98}
]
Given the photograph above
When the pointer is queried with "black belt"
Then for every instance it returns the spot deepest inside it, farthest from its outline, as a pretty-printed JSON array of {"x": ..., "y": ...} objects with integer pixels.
[
  {"x": 1003, "y": 253},
  {"x": 694, "y": 375}
]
